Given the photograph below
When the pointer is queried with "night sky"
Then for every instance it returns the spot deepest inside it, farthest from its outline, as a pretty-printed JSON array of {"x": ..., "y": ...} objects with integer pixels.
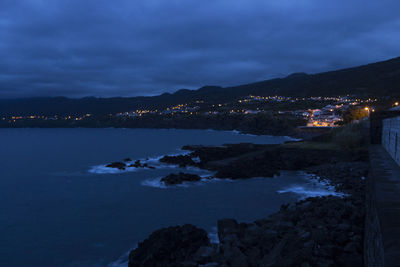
[{"x": 108, "y": 48}]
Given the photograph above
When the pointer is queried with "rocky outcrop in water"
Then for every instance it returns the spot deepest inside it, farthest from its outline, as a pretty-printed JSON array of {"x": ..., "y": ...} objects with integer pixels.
[
  {"x": 181, "y": 160},
  {"x": 138, "y": 164},
  {"x": 123, "y": 165},
  {"x": 117, "y": 165},
  {"x": 240, "y": 161},
  {"x": 174, "y": 179}
]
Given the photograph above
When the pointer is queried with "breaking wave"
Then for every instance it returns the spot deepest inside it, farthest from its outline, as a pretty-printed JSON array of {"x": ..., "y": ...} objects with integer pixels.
[{"x": 315, "y": 187}]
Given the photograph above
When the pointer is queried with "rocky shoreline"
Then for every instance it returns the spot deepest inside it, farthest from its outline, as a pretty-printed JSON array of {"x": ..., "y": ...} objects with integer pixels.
[
  {"x": 246, "y": 160},
  {"x": 318, "y": 231}
]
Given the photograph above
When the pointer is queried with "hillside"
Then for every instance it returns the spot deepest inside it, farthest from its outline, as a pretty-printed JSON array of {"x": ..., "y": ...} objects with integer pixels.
[{"x": 376, "y": 79}]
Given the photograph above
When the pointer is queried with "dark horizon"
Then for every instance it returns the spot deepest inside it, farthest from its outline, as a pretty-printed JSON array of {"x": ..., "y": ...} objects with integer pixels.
[{"x": 178, "y": 89}]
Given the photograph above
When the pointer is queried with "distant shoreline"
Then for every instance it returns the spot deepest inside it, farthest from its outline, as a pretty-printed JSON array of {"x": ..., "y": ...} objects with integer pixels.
[{"x": 250, "y": 133}]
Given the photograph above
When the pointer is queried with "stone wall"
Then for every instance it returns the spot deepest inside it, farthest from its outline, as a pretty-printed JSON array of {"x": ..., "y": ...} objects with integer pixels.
[
  {"x": 373, "y": 246},
  {"x": 391, "y": 137}
]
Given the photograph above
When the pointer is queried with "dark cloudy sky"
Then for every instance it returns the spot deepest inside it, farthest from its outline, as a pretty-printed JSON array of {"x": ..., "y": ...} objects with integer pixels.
[{"x": 145, "y": 47}]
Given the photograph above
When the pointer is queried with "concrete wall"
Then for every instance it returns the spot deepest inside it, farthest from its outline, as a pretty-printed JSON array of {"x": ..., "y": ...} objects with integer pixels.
[{"x": 391, "y": 137}]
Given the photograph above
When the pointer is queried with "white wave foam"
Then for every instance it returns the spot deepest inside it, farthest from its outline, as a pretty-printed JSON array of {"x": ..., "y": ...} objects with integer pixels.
[
  {"x": 316, "y": 187},
  {"x": 288, "y": 138},
  {"x": 102, "y": 169},
  {"x": 121, "y": 261},
  {"x": 213, "y": 236},
  {"x": 154, "y": 183},
  {"x": 206, "y": 179},
  {"x": 152, "y": 159},
  {"x": 196, "y": 159},
  {"x": 309, "y": 192}
]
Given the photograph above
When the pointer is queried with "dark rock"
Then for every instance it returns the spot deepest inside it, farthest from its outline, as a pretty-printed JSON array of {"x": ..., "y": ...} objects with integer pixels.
[
  {"x": 343, "y": 227},
  {"x": 210, "y": 264},
  {"x": 138, "y": 164},
  {"x": 227, "y": 227},
  {"x": 169, "y": 246},
  {"x": 234, "y": 256},
  {"x": 340, "y": 238},
  {"x": 179, "y": 178},
  {"x": 117, "y": 165},
  {"x": 352, "y": 247},
  {"x": 239, "y": 161},
  {"x": 181, "y": 160},
  {"x": 305, "y": 236},
  {"x": 127, "y": 159},
  {"x": 318, "y": 231},
  {"x": 349, "y": 260},
  {"x": 205, "y": 254}
]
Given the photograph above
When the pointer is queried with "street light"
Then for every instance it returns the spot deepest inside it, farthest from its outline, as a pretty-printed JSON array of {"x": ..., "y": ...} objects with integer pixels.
[
  {"x": 367, "y": 109},
  {"x": 396, "y": 104}
]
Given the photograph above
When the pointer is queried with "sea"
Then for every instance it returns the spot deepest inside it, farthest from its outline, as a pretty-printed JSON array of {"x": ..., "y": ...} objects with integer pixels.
[{"x": 60, "y": 205}]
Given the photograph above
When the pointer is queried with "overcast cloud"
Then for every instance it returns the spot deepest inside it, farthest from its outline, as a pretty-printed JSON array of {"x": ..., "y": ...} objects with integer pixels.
[{"x": 144, "y": 47}]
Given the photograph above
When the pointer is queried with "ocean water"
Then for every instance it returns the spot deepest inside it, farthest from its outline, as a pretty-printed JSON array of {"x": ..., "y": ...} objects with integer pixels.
[{"x": 59, "y": 206}]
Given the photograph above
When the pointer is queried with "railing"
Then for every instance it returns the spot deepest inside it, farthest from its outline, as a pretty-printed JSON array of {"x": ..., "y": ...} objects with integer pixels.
[{"x": 391, "y": 137}]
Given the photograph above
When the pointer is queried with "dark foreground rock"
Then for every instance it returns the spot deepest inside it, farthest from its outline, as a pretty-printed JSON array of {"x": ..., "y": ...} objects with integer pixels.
[
  {"x": 318, "y": 231},
  {"x": 179, "y": 178},
  {"x": 172, "y": 246},
  {"x": 324, "y": 231}
]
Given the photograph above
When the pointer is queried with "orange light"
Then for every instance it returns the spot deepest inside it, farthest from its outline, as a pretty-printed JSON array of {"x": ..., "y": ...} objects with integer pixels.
[
  {"x": 396, "y": 104},
  {"x": 366, "y": 108}
]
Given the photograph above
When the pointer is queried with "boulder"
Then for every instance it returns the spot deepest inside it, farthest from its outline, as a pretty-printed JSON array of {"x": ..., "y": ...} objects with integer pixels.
[
  {"x": 227, "y": 227},
  {"x": 172, "y": 246},
  {"x": 117, "y": 165}
]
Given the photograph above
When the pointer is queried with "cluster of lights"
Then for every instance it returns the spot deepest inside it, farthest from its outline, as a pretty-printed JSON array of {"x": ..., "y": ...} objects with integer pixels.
[{"x": 341, "y": 99}]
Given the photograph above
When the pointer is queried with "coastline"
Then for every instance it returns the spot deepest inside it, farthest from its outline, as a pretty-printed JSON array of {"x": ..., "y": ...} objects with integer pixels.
[
  {"x": 323, "y": 229},
  {"x": 294, "y": 137},
  {"x": 249, "y": 124}
]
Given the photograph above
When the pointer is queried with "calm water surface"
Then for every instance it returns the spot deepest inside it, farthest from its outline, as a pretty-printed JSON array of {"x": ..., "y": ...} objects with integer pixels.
[{"x": 55, "y": 212}]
